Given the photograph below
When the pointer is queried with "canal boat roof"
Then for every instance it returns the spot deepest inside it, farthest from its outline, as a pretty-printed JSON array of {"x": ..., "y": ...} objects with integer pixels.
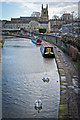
[{"x": 46, "y": 44}]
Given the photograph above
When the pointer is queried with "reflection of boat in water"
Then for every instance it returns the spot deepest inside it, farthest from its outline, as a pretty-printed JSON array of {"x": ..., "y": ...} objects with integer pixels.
[
  {"x": 47, "y": 50},
  {"x": 38, "y": 105}
]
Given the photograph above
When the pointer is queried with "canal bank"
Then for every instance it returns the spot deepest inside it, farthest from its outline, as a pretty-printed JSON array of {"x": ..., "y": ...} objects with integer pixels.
[
  {"x": 69, "y": 87},
  {"x": 1, "y": 42},
  {"x": 0, "y": 86}
]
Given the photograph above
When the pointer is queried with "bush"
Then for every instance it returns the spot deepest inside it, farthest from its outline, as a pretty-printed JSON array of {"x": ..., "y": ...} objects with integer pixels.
[{"x": 67, "y": 39}]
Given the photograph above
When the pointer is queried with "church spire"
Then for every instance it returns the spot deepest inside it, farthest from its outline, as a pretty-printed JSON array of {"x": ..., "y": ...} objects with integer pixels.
[
  {"x": 42, "y": 6},
  {"x": 47, "y": 6},
  {"x": 44, "y": 13}
]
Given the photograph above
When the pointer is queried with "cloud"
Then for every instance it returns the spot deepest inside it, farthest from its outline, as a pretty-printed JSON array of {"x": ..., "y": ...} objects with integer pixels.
[
  {"x": 60, "y": 8},
  {"x": 17, "y": 1},
  {"x": 43, "y": 1},
  {"x": 71, "y": 8},
  {"x": 57, "y": 8}
]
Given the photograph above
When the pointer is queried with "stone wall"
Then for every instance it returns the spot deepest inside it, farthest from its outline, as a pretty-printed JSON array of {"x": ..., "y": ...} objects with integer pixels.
[
  {"x": 72, "y": 51},
  {"x": 0, "y": 86},
  {"x": 55, "y": 39}
]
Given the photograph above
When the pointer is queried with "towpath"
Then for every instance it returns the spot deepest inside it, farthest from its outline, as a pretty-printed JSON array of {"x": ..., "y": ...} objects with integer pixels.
[{"x": 70, "y": 86}]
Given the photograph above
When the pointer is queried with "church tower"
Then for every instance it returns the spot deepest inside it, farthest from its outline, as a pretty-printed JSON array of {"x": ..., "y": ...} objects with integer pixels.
[{"x": 44, "y": 13}]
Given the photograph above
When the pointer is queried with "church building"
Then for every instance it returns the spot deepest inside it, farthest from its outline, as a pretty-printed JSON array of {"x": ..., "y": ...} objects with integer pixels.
[{"x": 44, "y": 13}]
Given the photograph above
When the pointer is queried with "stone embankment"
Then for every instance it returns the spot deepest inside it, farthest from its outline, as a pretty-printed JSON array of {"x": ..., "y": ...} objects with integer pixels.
[
  {"x": 69, "y": 86},
  {"x": 0, "y": 86},
  {"x": 1, "y": 42}
]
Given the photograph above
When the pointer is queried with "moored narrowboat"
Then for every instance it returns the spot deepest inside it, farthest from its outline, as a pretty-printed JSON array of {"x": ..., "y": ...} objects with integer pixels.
[
  {"x": 33, "y": 40},
  {"x": 37, "y": 41},
  {"x": 47, "y": 50}
]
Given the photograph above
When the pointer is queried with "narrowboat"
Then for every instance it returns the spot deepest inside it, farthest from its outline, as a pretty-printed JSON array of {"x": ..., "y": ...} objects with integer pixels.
[
  {"x": 33, "y": 40},
  {"x": 37, "y": 41},
  {"x": 47, "y": 50}
]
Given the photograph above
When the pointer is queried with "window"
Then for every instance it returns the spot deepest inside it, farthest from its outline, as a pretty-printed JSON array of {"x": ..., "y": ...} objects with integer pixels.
[{"x": 48, "y": 49}]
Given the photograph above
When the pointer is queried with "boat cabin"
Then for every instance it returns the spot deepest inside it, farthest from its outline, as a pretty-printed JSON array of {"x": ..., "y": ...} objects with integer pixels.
[
  {"x": 38, "y": 42},
  {"x": 47, "y": 50}
]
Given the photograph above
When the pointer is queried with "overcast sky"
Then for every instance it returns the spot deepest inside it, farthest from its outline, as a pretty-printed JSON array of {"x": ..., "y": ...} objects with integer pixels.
[{"x": 16, "y": 8}]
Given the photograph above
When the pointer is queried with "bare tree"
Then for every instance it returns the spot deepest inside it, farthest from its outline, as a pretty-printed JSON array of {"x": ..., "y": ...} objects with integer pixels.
[
  {"x": 56, "y": 17},
  {"x": 35, "y": 14}
]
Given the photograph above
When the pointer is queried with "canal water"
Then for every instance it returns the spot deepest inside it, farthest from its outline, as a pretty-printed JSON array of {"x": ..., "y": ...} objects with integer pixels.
[{"x": 23, "y": 68}]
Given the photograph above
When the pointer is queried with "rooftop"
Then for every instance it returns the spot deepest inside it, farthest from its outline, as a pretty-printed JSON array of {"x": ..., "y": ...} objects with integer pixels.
[{"x": 46, "y": 44}]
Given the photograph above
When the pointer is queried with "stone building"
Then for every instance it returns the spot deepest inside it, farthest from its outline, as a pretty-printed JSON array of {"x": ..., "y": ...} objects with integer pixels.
[
  {"x": 44, "y": 13},
  {"x": 67, "y": 17},
  {"x": 34, "y": 25},
  {"x": 44, "y": 25},
  {"x": 28, "y": 23},
  {"x": 10, "y": 25},
  {"x": 55, "y": 25}
]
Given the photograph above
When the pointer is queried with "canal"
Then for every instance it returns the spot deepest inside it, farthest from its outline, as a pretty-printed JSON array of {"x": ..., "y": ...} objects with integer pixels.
[{"x": 23, "y": 68}]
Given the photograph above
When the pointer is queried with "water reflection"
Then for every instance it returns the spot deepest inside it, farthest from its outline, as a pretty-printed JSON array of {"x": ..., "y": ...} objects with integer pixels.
[{"x": 23, "y": 68}]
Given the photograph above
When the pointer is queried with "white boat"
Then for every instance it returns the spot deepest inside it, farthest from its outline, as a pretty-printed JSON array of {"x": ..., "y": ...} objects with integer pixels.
[
  {"x": 45, "y": 79},
  {"x": 38, "y": 104}
]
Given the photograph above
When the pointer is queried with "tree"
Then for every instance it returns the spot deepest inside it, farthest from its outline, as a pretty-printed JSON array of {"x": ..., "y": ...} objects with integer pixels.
[
  {"x": 35, "y": 14},
  {"x": 67, "y": 39},
  {"x": 56, "y": 17}
]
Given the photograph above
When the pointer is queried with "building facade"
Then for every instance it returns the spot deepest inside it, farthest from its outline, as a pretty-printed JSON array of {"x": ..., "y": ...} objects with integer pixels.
[
  {"x": 28, "y": 23},
  {"x": 67, "y": 17},
  {"x": 34, "y": 25},
  {"x": 44, "y": 25},
  {"x": 55, "y": 25}
]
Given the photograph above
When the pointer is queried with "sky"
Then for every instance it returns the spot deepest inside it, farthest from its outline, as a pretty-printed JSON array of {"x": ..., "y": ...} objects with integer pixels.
[{"x": 24, "y": 8}]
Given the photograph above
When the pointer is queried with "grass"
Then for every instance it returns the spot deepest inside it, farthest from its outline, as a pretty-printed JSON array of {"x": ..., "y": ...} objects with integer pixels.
[{"x": 78, "y": 64}]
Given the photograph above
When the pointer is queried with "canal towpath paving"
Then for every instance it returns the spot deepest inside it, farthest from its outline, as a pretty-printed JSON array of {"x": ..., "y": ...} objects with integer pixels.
[{"x": 69, "y": 86}]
